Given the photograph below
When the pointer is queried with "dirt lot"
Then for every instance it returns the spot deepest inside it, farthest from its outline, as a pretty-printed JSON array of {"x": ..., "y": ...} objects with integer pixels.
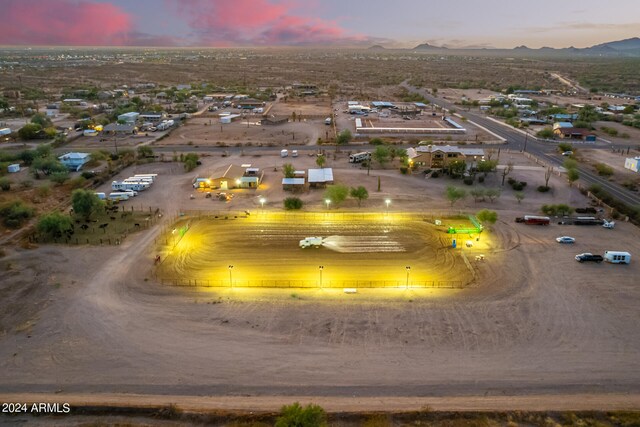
[
  {"x": 616, "y": 160},
  {"x": 87, "y": 319}
]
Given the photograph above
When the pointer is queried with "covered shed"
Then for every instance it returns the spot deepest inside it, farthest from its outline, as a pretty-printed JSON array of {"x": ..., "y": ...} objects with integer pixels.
[
  {"x": 320, "y": 177},
  {"x": 74, "y": 161},
  {"x": 292, "y": 184}
]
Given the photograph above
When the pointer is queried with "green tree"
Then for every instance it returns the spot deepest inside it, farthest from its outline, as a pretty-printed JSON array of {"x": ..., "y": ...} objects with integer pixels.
[
  {"x": 485, "y": 216},
  {"x": 190, "y": 162},
  {"x": 336, "y": 193},
  {"x": 321, "y": 160},
  {"x": 59, "y": 177},
  {"x": 381, "y": 154},
  {"x": 50, "y": 132},
  {"x": 376, "y": 141},
  {"x": 46, "y": 165},
  {"x": 457, "y": 168},
  {"x": 572, "y": 175},
  {"x": 565, "y": 146},
  {"x": 27, "y": 157},
  {"x": 570, "y": 164},
  {"x": 546, "y": 133},
  {"x": 453, "y": 194},
  {"x": 5, "y": 184},
  {"x": 144, "y": 151},
  {"x": 42, "y": 120},
  {"x": 360, "y": 193},
  {"x": 43, "y": 150},
  {"x": 492, "y": 193},
  {"x": 486, "y": 166},
  {"x": 292, "y": 203},
  {"x": 298, "y": 416},
  {"x": 4, "y": 104},
  {"x": 588, "y": 115},
  {"x": 15, "y": 213},
  {"x": 519, "y": 195},
  {"x": 288, "y": 170},
  {"x": 30, "y": 131},
  {"x": 344, "y": 137},
  {"x": 85, "y": 203},
  {"x": 54, "y": 224}
]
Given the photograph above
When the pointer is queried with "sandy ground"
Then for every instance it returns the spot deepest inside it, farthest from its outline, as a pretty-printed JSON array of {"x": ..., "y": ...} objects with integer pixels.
[
  {"x": 616, "y": 160},
  {"x": 92, "y": 319}
]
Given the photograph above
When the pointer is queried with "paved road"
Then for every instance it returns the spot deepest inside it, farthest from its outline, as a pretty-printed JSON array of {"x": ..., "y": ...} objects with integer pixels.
[{"x": 545, "y": 151}]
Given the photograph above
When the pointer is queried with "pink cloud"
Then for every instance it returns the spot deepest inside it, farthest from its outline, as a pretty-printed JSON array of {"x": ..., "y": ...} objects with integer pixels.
[
  {"x": 257, "y": 22},
  {"x": 63, "y": 22}
]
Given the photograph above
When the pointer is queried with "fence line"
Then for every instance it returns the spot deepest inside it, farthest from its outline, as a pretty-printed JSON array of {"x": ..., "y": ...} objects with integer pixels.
[{"x": 311, "y": 284}]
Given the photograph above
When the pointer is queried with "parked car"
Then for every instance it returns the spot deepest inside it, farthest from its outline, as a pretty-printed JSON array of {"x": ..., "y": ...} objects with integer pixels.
[
  {"x": 565, "y": 239},
  {"x": 567, "y": 153},
  {"x": 588, "y": 257}
]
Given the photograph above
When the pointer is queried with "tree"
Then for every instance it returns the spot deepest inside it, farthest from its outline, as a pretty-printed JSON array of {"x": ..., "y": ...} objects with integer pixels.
[
  {"x": 336, "y": 193},
  {"x": 30, "y": 131},
  {"x": 321, "y": 160},
  {"x": 27, "y": 157},
  {"x": 457, "y": 168},
  {"x": 477, "y": 194},
  {"x": 85, "y": 202},
  {"x": 288, "y": 170},
  {"x": 485, "y": 216},
  {"x": 190, "y": 162},
  {"x": 359, "y": 193},
  {"x": 381, "y": 154},
  {"x": 292, "y": 203},
  {"x": 572, "y": 175},
  {"x": 519, "y": 196},
  {"x": 46, "y": 165},
  {"x": 376, "y": 141},
  {"x": 565, "y": 146},
  {"x": 59, "y": 177},
  {"x": 492, "y": 193},
  {"x": 453, "y": 194},
  {"x": 570, "y": 164},
  {"x": 43, "y": 150},
  {"x": 588, "y": 114},
  {"x": 42, "y": 120},
  {"x": 486, "y": 166},
  {"x": 55, "y": 224},
  {"x": 546, "y": 133},
  {"x": 506, "y": 171},
  {"x": 15, "y": 213},
  {"x": 144, "y": 151},
  {"x": 344, "y": 137},
  {"x": 297, "y": 416}
]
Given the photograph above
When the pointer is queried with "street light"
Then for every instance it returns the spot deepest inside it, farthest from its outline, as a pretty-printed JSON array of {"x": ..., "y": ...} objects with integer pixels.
[
  {"x": 238, "y": 182},
  {"x": 321, "y": 267},
  {"x": 230, "y": 276},
  {"x": 408, "y": 268},
  {"x": 388, "y": 202},
  {"x": 327, "y": 201},
  {"x": 262, "y": 200}
]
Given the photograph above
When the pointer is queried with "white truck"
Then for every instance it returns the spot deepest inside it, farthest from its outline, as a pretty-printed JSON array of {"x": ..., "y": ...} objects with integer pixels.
[
  {"x": 307, "y": 242},
  {"x": 608, "y": 224}
]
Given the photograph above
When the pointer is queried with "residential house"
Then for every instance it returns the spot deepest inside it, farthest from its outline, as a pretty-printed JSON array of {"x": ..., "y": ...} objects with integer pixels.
[
  {"x": 438, "y": 157},
  {"x": 632, "y": 163},
  {"x": 128, "y": 118},
  {"x": 118, "y": 129},
  {"x": 575, "y": 133},
  {"x": 74, "y": 161}
]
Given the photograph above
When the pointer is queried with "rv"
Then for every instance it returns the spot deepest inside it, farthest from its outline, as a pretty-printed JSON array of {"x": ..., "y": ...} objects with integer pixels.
[
  {"x": 615, "y": 257},
  {"x": 135, "y": 186},
  {"x": 587, "y": 220},
  {"x": 534, "y": 220},
  {"x": 139, "y": 179},
  {"x": 284, "y": 153},
  {"x": 359, "y": 157},
  {"x": 118, "y": 195},
  {"x": 101, "y": 196},
  {"x": 151, "y": 176}
]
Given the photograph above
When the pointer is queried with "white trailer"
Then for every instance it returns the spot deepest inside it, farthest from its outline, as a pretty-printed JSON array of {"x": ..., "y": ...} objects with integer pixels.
[
  {"x": 101, "y": 196},
  {"x": 135, "y": 186},
  {"x": 138, "y": 179},
  {"x": 118, "y": 195},
  {"x": 284, "y": 153},
  {"x": 615, "y": 257},
  {"x": 153, "y": 176},
  {"x": 359, "y": 157},
  {"x": 307, "y": 242}
]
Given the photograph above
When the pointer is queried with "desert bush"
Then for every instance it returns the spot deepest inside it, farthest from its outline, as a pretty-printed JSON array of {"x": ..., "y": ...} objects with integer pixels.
[
  {"x": 603, "y": 169},
  {"x": 543, "y": 188},
  {"x": 297, "y": 416},
  {"x": 5, "y": 184},
  {"x": 15, "y": 213},
  {"x": 292, "y": 203}
]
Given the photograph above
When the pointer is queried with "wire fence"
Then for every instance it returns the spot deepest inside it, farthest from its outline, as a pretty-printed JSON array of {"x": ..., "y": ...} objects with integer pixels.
[{"x": 311, "y": 284}]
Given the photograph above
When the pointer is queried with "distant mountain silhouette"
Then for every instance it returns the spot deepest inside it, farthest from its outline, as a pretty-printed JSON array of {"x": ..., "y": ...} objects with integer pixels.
[
  {"x": 376, "y": 47},
  {"x": 427, "y": 46}
]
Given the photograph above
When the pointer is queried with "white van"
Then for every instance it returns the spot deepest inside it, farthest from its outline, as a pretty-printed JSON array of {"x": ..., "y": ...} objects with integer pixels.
[
  {"x": 294, "y": 153},
  {"x": 284, "y": 153},
  {"x": 327, "y": 121},
  {"x": 615, "y": 257}
]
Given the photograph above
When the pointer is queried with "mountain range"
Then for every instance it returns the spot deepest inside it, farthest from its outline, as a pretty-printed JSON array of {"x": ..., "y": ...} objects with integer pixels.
[{"x": 620, "y": 48}]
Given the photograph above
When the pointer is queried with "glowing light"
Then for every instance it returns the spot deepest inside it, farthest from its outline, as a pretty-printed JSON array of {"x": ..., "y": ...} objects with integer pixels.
[
  {"x": 262, "y": 200},
  {"x": 327, "y": 201}
]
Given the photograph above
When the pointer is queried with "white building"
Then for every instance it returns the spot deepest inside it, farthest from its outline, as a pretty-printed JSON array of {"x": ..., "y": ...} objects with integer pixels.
[{"x": 632, "y": 163}]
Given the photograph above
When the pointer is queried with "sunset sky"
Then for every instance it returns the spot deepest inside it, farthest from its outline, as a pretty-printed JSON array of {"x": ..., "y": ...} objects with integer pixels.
[{"x": 403, "y": 23}]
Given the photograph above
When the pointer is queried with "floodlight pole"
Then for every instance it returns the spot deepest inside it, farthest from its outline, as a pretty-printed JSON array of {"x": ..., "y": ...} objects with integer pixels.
[
  {"x": 230, "y": 276},
  {"x": 321, "y": 267},
  {"x": 408, "y": 268}
]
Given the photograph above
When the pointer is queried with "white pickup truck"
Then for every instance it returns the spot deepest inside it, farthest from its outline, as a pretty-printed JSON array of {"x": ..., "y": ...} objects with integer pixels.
[{"x": 311, "y": 241}]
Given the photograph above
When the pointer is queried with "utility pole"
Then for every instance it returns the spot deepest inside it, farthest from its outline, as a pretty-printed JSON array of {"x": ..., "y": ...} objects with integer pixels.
[{"x": 526, "y": 137}]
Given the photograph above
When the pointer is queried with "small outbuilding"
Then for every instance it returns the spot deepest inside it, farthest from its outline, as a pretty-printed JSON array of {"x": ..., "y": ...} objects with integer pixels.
[
  {"x": 74, "y": 161},
  {"x": 292, "y": 184},
  {"x": 320, "y": 177},
  {"x": 13, "y": 168},
  {"x": 632, "y": 163}
]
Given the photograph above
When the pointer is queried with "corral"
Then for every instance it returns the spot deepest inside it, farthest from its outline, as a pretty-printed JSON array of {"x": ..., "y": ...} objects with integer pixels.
[{"x": 358, "y": 250}]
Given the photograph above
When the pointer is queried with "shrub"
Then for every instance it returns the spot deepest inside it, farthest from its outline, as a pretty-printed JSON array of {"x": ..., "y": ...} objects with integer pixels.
[
  {"x": 511, "y": 181},
  {"x": 435, "y": 174},
  {"x": 519, "y": 186},
  {"x": 44, "y": 191},
  {"x": 468, "y": 180},
  {"x": 59, "y": 177},
  {"x": 88, "y": 174},
  {"x": 54, "y": 224},
  {"x": 297, "y": 416},
  {"x": 15, "y": 213},
  {"x": 481, "y": 179},
  {"x": 77, "y": 182},
  {"x": 604, "y": 170},
  {"x": 543, "y": 188},
  {"x": 291, "y": 203},
  {"x": 5, "y": 184},
  {"x": 26, "y": 184},
  {"x": 565, "y": 146},
  {"x": 404, "y": 170}
]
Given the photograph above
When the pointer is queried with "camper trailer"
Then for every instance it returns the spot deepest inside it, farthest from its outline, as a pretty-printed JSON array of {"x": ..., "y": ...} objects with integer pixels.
[{"x": 615, "y": 257}]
